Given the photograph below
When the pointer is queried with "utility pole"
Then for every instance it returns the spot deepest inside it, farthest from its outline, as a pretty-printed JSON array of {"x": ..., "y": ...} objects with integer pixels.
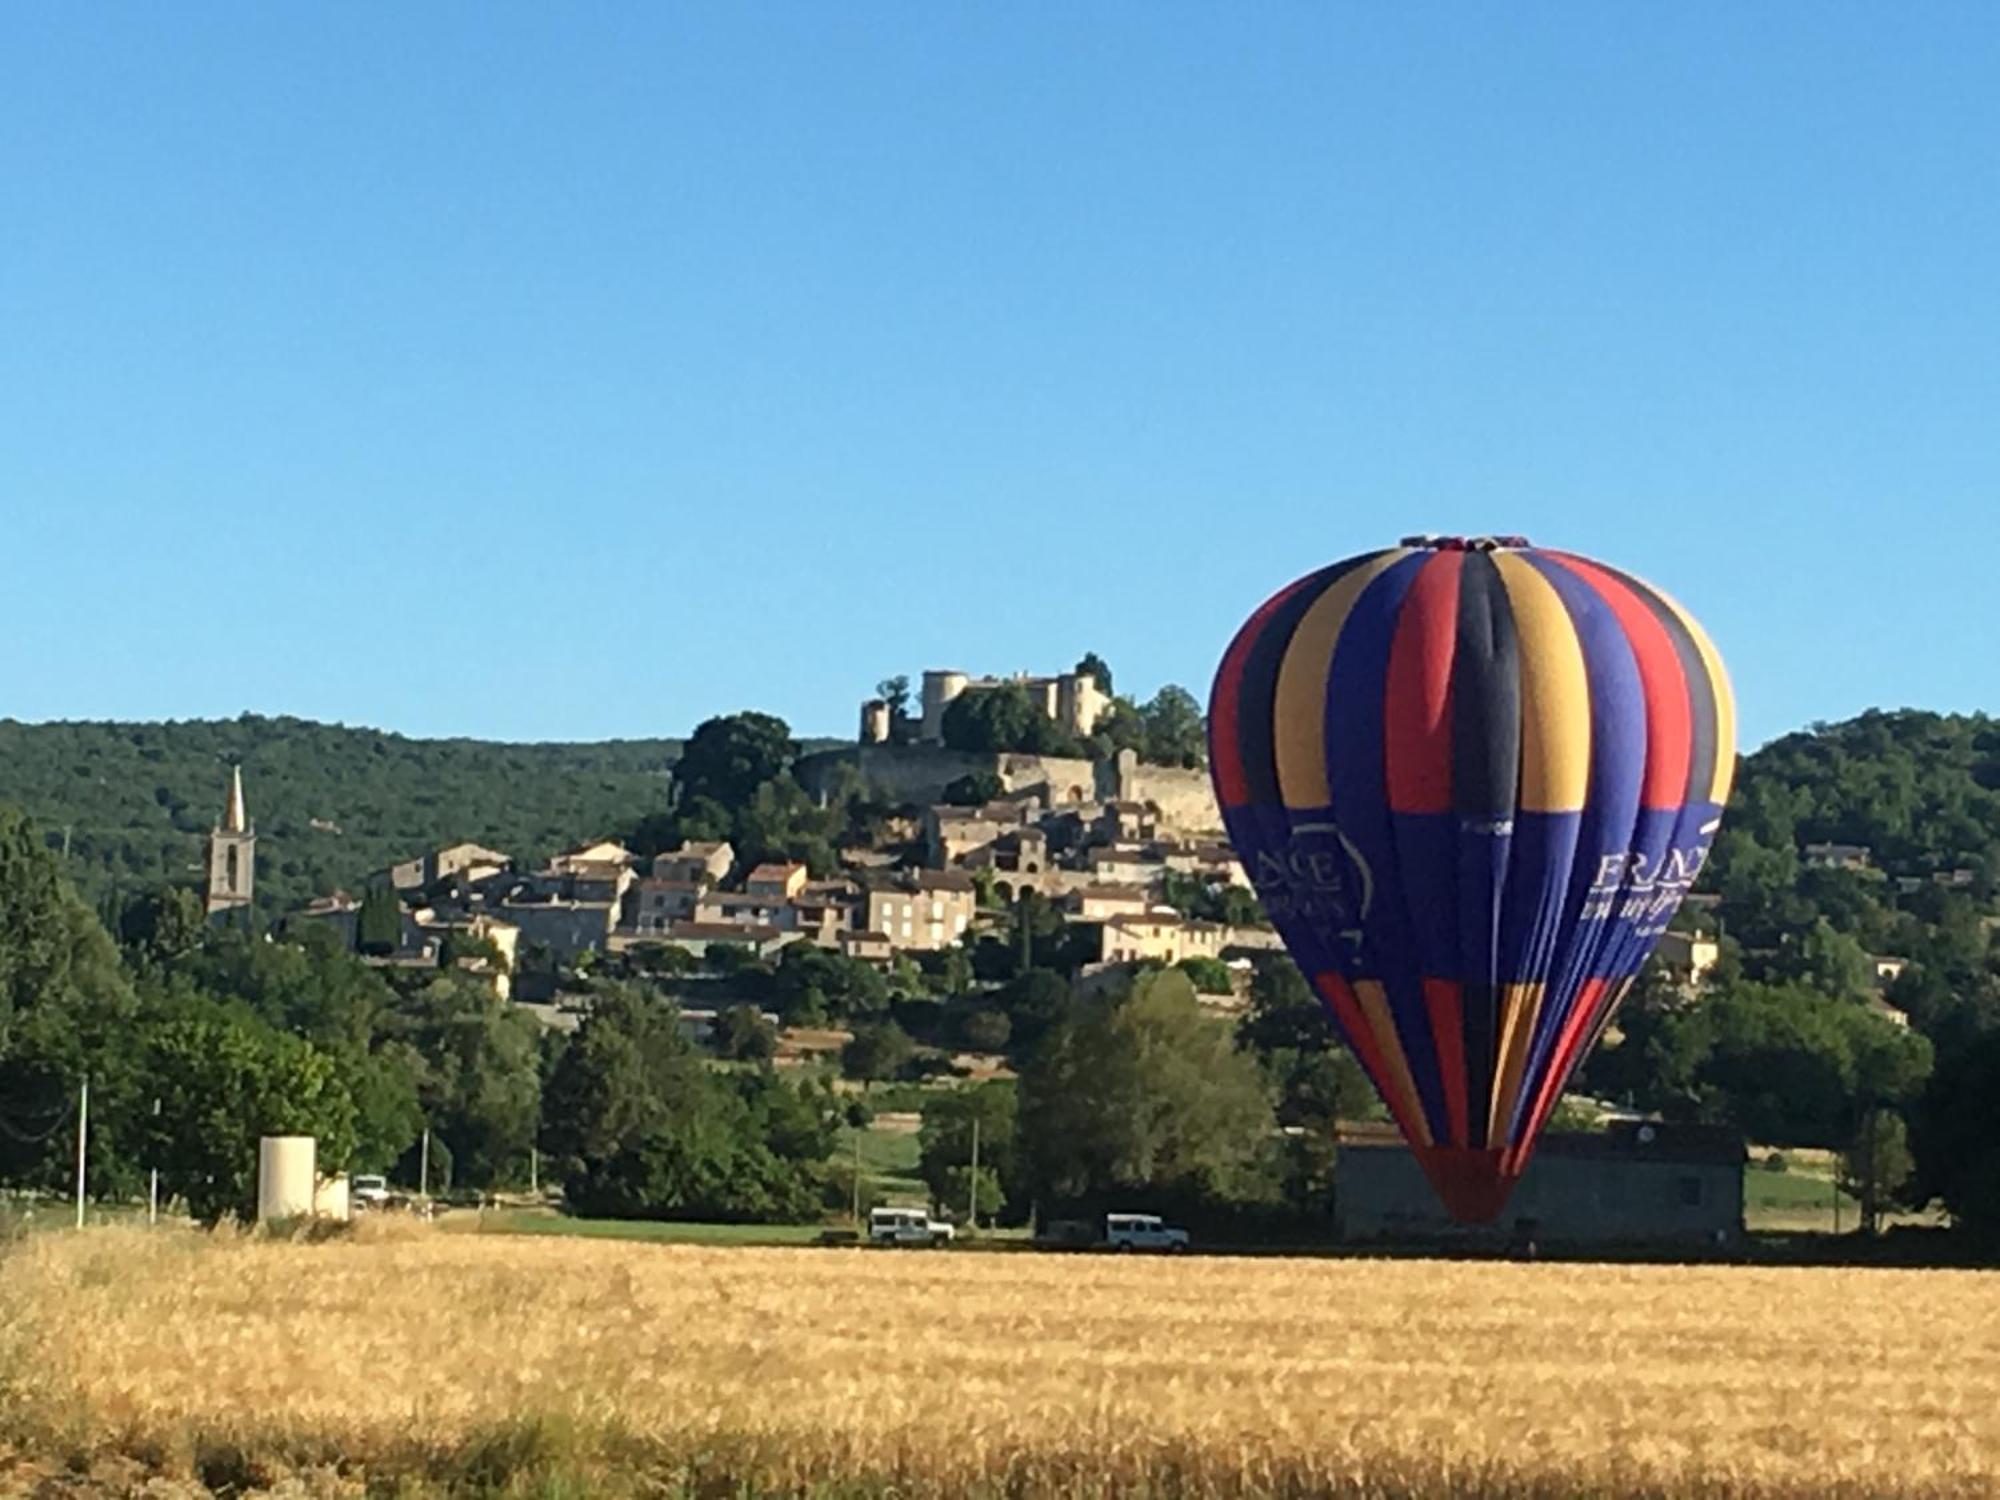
[
  {"x": 424, "y": 1168},
  {"x": 534, "y": 1172},
  {"x": 857, "y": 1176},
  {"x": 82, "y": 1142},
  {"x": 972, "y": 1207},
  {"x": 153, "y": 1181}
]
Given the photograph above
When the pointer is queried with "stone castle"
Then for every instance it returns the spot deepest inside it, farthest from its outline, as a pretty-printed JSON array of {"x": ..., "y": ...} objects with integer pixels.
[{"x": 1072, "y": 699}]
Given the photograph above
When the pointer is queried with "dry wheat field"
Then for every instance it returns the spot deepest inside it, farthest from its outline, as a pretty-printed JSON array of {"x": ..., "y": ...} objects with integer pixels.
[{"x": 424, "y": 1363}]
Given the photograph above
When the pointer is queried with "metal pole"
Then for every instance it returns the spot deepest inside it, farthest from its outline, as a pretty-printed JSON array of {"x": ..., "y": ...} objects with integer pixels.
[
  {"x": 424, "y": 1167},
  {"x": 534, "y": 1172},
  {"x": 153, "y": 1182},
  {"x": 857, "y": 1177},
  {"x": 82, "y": 1143},
  {"x": 972, "y": 1208}
]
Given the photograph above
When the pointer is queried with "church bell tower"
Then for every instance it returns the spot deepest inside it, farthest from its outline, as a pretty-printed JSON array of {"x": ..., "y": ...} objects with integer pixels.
[{"x": 232, "y": 854}]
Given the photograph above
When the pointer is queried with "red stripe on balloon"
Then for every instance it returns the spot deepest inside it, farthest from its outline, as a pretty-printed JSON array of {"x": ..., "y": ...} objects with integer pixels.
[
  {"x": 1417, "y": 697},
  {"x": 1443, "y": 999},
  {"x": 1669, "y": 714},
  {"x": 1562, "y": 1058},
  {"x": 1354, "y": 1026},
  {"x": 1232, "y": 782}
]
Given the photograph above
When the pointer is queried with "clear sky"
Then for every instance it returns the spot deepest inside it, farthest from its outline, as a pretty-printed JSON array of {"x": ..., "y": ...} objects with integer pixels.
[{"x": 579, "y": 371}]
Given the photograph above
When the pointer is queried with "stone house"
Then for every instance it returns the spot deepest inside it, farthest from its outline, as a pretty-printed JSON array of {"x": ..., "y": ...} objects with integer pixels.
[
  {"x": 925, "y": 910},
  {"x": 778, "y": 882},
  {"x": 1163, "y": 935},
  {"x": 1639, "y": 1183},
  {"x": 1101, "y": 903},
  {"x": 703, "y": 863},
  {"x": 653, "y": 903}
]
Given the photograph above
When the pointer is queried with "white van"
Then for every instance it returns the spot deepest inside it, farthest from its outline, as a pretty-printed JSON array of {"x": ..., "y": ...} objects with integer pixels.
[
  {"x": 1142, "y": 1232},
  {"x": 906, "y": 1226}
]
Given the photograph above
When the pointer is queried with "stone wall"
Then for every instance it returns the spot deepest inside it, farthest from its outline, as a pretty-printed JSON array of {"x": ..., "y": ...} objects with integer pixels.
[
  {"x": 920, "y": 773},
  {"x": 1186, "y": 799}
]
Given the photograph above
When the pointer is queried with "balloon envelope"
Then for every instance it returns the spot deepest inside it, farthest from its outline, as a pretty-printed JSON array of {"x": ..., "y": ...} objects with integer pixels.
[{"x": 1471, "y": 782}]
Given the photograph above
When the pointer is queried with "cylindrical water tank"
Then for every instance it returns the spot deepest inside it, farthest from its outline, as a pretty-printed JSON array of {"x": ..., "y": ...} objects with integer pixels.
[
  {"x": 331, "y": 1200},
  {"x": 285, "y": 1176}
]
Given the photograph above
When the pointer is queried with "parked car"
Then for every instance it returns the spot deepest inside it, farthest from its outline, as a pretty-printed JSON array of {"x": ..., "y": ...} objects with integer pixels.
[
  {"x": 1142, "y": 1232},
  {"x": 906, "y": 1226},
  {"x": 368, "y": 1192}
]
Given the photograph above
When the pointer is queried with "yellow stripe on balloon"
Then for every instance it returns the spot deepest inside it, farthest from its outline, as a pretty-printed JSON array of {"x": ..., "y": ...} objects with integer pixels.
[
  {"x": 1520, "y": 1006},
  {"x": 1375, "y": 1006},
  {"x": 1298, "y": 718},
  {"x": 1725, "y": 703},
  {"x": 1555, "y": 692}
]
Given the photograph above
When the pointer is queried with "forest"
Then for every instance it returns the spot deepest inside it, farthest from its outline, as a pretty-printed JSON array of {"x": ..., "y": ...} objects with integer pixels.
[{"x": 132, "y": 803}]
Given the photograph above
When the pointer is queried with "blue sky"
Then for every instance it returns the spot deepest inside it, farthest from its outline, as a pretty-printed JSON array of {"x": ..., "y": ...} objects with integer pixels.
[{"x": 569, "y": 372}]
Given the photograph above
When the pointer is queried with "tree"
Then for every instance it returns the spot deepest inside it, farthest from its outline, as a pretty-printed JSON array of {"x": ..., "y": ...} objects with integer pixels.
[
  {"x": 1957, "y": 1136},
  {"x": 743, "y": 1033},
  {"x": 945, "y": 1149},
  {"x": 1094, "y": 666},
  {"x": 379, "y": 924},
  {"x": 985, "y": 1030},
  {"x": 1210, "y": 975},
  {"x": 878, "y": 1050},
  {"x": 222, "y": 1085},
  {"x": 730, "y": 757},
  {"x": 1785, "y": 1063},
  {"x": 481, "y": 1086},
  {"x": 780, "y": 822},
  {"x": 1175, "y": 733},
  {"x": 1318, "y": 1083},
  {"x": 164, "y": 926},
  {"x": 1035, "y": 1001},
  {"x": 67, "y": 1011},
  {"x": 895, "y": 694},
  {"x": 1877, "y": 1165},
  {"x": 463, "y": 946},
  {"x": 997, "y": 720},
  {"x": 639, "y": 1127},
  {"x": 811, "y": 984},
  {"x": 1143, "y": 1092},
  {"x": 973, "y": 789}
]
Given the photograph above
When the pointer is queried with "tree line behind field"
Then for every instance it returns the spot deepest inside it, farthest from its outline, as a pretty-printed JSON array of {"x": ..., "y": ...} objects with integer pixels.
[
  {"x": 197, "y": 1039},
  {"x": 1131, "y": 1093}
]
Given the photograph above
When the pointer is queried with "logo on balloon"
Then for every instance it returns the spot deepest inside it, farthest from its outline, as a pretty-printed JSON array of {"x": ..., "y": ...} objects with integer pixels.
[
  {"x": 1316, "y": 876},
  {"x": 1646, "y": 890}
]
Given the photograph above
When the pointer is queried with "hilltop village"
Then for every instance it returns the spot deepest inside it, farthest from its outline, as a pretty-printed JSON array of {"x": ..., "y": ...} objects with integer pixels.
[
  {"x": 1082, "y": 836},
  {"x": 1128, "y": 856}
]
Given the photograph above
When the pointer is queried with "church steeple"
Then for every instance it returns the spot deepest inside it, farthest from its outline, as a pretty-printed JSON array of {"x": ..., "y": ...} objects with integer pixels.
[
  {"x": 235, "y": 819},
  {"x": 232, "y": 854}
]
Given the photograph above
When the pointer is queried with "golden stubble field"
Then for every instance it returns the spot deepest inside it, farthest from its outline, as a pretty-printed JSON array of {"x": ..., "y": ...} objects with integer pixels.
[{"x": 423, "y": 1362}]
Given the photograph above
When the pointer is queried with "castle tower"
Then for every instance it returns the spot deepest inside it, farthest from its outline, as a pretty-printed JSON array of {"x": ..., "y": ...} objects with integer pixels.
[
  {"x": 939, "y": 690},
  {"x": 232, "y": 854}
]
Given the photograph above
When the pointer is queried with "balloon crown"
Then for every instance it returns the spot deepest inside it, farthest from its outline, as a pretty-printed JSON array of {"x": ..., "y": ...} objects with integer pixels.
[{"x": 1466, "y": 543}]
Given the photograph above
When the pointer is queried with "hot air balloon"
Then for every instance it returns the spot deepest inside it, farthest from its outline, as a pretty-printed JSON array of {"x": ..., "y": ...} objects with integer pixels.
[{"x": 1471, "y": 780}]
